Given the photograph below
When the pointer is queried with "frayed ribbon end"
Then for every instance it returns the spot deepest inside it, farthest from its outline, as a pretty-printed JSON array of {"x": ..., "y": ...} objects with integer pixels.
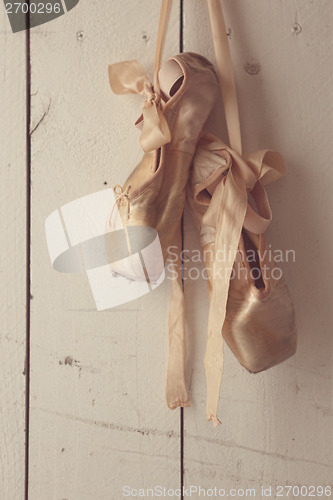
[{"x": 214, "y": 419}]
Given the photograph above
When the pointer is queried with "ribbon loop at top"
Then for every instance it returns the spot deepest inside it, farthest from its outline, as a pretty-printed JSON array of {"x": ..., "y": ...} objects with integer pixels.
[{"x": 129, "y": 77}]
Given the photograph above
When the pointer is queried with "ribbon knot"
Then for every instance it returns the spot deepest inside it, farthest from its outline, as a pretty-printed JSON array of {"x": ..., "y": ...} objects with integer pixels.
[
  {"x": 122, "y": 197},
  {"x": 129, "y": 77},
  {"x": 231, "y": 175}
]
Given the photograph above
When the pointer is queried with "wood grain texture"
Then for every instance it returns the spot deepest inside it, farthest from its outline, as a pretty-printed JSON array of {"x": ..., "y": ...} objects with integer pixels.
[
  {"x": 277, "y": 426},
  {"x": 12, "y": 260},
  {"x": 99, "y": 420}
]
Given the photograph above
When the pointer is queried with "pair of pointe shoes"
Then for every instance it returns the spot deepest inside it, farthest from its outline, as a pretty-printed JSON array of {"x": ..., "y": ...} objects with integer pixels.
[{"x": 185, "y": 164}]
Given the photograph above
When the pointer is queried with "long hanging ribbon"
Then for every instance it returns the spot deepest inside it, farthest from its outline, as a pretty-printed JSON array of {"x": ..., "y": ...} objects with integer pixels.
[
  {"x": 225, "y": 73},
  {"x": 130, "y": 77},
  {"x": 229, "y": 206},
  {"x": 228, "y": 212}
]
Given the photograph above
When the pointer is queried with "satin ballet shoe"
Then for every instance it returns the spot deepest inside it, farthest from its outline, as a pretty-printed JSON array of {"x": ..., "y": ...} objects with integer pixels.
[
  {"x": 171, "y": 123},
  {"x": 154, "y": 194},
  {"x": 259, "y": 325},
  {"x": 250, "y": 304}
]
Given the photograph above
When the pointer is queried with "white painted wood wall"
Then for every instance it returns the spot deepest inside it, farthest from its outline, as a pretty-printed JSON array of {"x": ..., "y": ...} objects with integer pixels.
[{"x": 97, "y": 418}]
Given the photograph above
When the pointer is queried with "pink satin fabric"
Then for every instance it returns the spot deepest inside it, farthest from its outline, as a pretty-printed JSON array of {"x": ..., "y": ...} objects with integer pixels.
[
  {"x": 130, "y": 77},
  {"x": 229, "y": 177}
]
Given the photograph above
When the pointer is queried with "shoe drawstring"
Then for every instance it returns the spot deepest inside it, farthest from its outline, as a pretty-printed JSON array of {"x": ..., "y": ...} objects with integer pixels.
[{"x": 122, "y": 197}]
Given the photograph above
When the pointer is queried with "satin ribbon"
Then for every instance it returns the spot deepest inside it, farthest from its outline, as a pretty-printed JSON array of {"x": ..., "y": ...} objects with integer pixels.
[
  {"x": 129, "y": 77},
  {"x": 228, "y": 212}
]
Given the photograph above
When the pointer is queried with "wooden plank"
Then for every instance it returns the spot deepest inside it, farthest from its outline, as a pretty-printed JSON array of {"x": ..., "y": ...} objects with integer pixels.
[
  {"x": 98, "y": 415},
  {"x": 13, "y": 260},
  {"x": 277, "y": 426}
]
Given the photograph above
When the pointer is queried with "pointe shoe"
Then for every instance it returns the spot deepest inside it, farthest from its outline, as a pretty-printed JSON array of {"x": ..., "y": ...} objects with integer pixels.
[
  {"x": 154, "y": 193},
  {"x": 255, "y": 314},
  {"x": 260, "y": 325},
  {"x": 250, "y": 301},
  {"x": 175, "y": 109}
]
